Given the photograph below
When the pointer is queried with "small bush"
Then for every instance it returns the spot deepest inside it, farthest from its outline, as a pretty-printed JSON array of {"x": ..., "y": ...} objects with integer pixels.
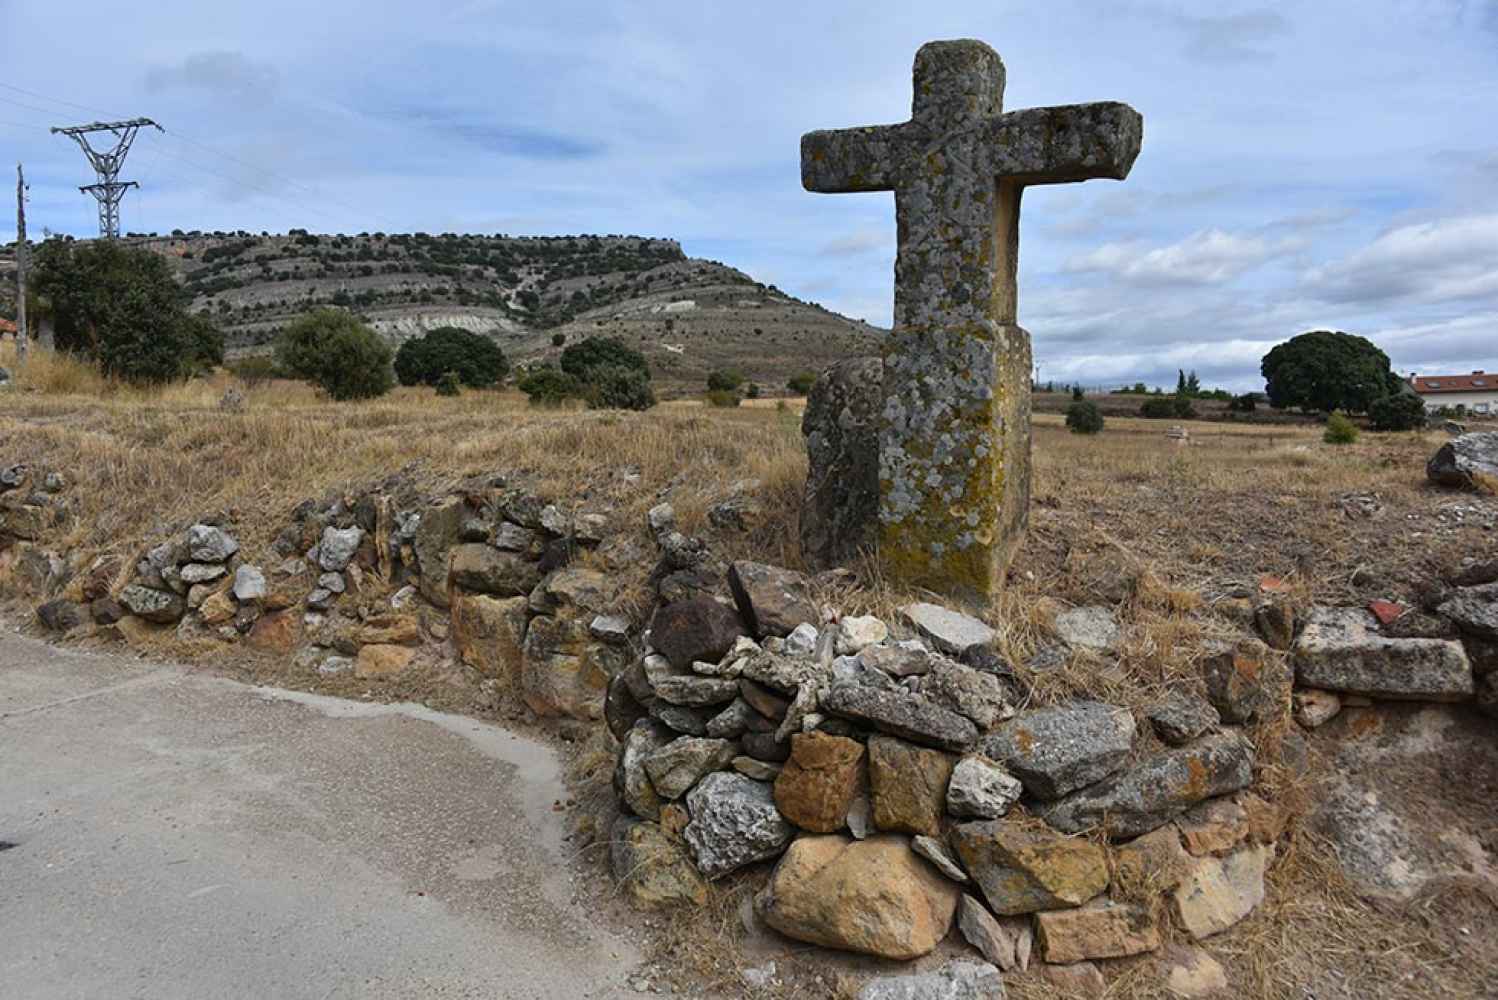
[
  {"x": 549, "y": 387},
  {"x": 724, "y": 381},
  {"x": 801, "y": 383},
  {"x": 1084, "y": 418},
  {"x": 614, "y": 387},
  {"x": 722, "y": 397},
  {"x": 475, "y": 360},
  {"x": 1402, "y": 411},
  {"x": 1180, "y": 405},
  {"x": 558, "y": 339},
  {"x": 255, "y": 370},
  {"x": 752, "y": 391},
  {"x": 1158, "y": 408},
  {"x": 1339, "y": 430},
  {"x": 333, "y": 350},
  {"x": 1245, "y": 403},
  {"x": 449, "y": 385},
  {"x": 583, "y": 358}
]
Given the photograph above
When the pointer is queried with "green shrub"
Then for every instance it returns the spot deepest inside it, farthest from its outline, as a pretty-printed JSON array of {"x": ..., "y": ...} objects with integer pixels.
[
  {"x": 450, "y": 385},
  {"x": 549, "y": 387},
  {"x": 614, "y": 387},
  {"x": 801, "y": 383},
  {"x": 1077, "y": 394},
  {"x": 1180, "y": 405},
  {"x": 1400, "y": 411},
  {"x": 333, "y": 350},
  {"x": 583, "y": 358},
  {"x": 121, "y": 308},
  {"x": 558, "y": 339},
  {"x": 1158, "y": 408},
  {"x": 751, "y": 391},
  {"x": 722, "y": 397},
  {"x": 1339, "y": 430},
  {"x": 1083, "y": 417},
  {"x": 1245, "y": 403},
  {"x": 475, "y": 360},
  {"x": 255, "y": 370},
  {"x": 724, "y": 381}
]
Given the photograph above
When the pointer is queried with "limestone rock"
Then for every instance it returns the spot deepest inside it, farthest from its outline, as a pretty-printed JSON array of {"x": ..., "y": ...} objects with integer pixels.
[
  {"x": 773, "y": 601},
  {"x": 510, "y": 537},
  {"x": 783, "y": 673},
  {"x": 907, "y": 786},
  {"x": 1245, "y": 682},
  {"x": 734, "y": 823},
  {"x": 949, "y": 631},
  {"x": 1192, "y": 974},
  {"x": 209, "y": 544},
  {"x": 382, "y": 661},
  {"x": 609, "y": 628},
  {"x": 1461, "y": 462},
  {"x": 217, "y": 608},
  {"x": 631, "y": 782},
  {"x": 1341, "y": 650},
  {"x": 1219, "y": 892},
  {"x": 1101, "y": 929},
  {"x": 439, "y": 529},
  {"x": 735, "y": 720},
  {"x": 159, "y": 606},
  {"x": 1091, "y": 628},
  {"x": 195, "y": 573},
  {"x": 1159, "y": 788},
  {"x": 908, "y": 658},
  {"x": 695, "y": 629},
  {"x": 692, "y": 721},
  {"x": 980, "y": 788},
  {"x": 1315, "y": 708},
  {"x": 762, "y": 699},
  {"x": 907, "y": 716},
  {"x": 933, "y": 851},
  {"x": 802, "y": 640},
  {"x": 653, "y": 868},
  {"x": 1054, "y": 751},
  {"x": 855, "y": 633},
  {"x": 1214, "y": 827},
  {"x": 561, "y": 684},
  {"x": 1153, "y": 863},
  {"x": 840, "y": 507},
  {"x": 678, "y": 765},
  {"x": 337, "y": 548},
  {"x": 1004, "y": 942},
  {"x": 1025, "y": 870},
  {"x": 1474, "y": 610},
  {"x": 696, "y": 692},
  {"x": 817, "y": 785},
  {"x": 1078, "y": 979},
  {"x": 974, "y": 694},
  {"x": 953, "y": 981},
  {"x": 872, "y": 896},
  {"x": 482, "y": 569},
  {"x": 249, "y": 584},
  {"x": 1180, "y": 718},
  {"x": 488, "y": 632}
]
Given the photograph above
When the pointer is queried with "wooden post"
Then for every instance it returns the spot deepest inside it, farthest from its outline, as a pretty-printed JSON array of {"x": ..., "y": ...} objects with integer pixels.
[{"x": 22, "y": 337}]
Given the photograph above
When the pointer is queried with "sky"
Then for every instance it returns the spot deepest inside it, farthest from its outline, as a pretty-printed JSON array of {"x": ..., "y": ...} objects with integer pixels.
[{"x": 1306, "y": 165}]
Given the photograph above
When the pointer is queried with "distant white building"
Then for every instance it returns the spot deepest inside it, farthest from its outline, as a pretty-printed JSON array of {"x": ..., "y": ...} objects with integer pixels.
[{"x": 1478, "y": 392}]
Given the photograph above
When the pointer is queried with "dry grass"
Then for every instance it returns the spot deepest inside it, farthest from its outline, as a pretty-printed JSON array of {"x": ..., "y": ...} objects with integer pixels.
[{"x": 1163, "y": 533}]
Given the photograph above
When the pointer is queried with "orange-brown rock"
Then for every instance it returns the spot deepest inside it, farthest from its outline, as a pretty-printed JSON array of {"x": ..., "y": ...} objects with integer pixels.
[
  {"x": 383, "y": 661},
  {"x": 391, "y": 630},
  {"x": 488, "y": 631},
  {"x": 1024, "y": 870},
  {"x": 873, "y": 896},
  {"x": 908, "y": 786},
  {"x": 217, "y": 608},
  {"x": 1101, "y": 929},
  {"x": 276, "y": 633},
  {"x": 1153, "y": 863},
  {"x": 817, "y": 785}
]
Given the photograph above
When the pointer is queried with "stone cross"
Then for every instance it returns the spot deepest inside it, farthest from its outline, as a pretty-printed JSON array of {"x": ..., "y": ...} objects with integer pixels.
[{"x": 954, "y": 440}]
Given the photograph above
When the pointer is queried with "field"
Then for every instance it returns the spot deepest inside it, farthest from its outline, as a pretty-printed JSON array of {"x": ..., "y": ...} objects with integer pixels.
[{"x": 1168, "y": 533}]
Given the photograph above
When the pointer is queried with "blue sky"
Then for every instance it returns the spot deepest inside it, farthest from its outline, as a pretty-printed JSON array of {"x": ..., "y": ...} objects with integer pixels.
[{"x": 1305, "y": 165}]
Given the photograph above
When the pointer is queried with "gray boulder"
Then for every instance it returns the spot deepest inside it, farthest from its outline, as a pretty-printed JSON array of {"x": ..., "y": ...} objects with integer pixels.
[
  {"x": 482, "y": 569},
  {"x": 160, "y": 606},
  {"x": 631, "y": 782},
  {"x": 949, "y": 631},
  {"x": 436, "y": 531},
  {"x": 982, "y": 697},
  {"x": 1341, "y": 650},
  {"x": 337, "y": 548},
  {"x": 1055, "y": 751},
  {"x": 1474, "y": 610},
  {"x": 194, "y": 573},
  {"x": 678, "y": 765},
  {"x": 980, "y": 788},
  {"x": 249, "y": 584},
  {"x": 953, "y": 981},
  {"x": 1091, "y": 628},
  {"x": 899, "y": 714},
  {"x": 734, "y": 823},
  {"x": 696, "y": 692},
  {"x": 773, "y": 601},
  {"x": 1461, "y": 462},
  {"x": 840, "y": 506},
  {"x": 783, "y": 673},
  {"x": 1158, "y": 789},
  {"x": 1180, "y": 718},
  {"x": 207, "y": 544}
]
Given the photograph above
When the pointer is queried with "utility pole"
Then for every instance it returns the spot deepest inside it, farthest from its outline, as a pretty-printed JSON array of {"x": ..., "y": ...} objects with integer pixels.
[
  {"x": 22, "y": 341},
  {"x": 109, "y": 189}
]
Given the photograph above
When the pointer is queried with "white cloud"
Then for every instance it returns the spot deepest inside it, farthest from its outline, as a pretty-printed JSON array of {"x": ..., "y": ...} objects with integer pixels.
[
  {"x": 1208, "y": 257},
  {"x": 1439, "y": 261}
]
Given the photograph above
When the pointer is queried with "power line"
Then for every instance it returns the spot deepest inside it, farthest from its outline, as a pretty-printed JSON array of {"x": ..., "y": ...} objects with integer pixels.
[{"x": 107, "y": 163}]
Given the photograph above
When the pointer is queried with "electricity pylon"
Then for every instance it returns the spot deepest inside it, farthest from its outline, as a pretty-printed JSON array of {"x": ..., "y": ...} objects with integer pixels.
[{"x": 109, "y": 189}]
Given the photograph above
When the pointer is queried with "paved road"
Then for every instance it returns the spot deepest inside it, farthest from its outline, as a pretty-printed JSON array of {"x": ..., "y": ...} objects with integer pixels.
[{"x": 183, "y": 836}]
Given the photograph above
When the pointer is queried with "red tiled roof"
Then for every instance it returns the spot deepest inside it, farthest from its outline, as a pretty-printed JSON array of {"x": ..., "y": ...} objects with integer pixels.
[{"x": 1475, "y": 382}]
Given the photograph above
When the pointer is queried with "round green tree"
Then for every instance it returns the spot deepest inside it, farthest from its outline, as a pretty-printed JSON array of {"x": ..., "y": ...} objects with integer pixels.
[
  {"x": 333, "y": 350},
  {"x": 580, "y": 360},
  {"x": 475, "y": 360},
  {"x": 1327, "y": 370}
]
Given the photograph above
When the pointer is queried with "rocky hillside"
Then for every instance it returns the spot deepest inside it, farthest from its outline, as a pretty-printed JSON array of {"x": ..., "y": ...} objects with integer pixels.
[{"x": 689, "y": 316}]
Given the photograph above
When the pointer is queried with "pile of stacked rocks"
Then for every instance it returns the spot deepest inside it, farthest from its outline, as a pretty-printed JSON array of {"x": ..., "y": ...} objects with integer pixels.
[
  {"x": 893, "y": 771},
  {"x": 1444, "y": 651},
  {"x": 31, "y": 505}
]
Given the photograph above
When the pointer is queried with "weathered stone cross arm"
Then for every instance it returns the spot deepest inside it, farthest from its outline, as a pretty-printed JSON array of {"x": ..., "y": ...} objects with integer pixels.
[{"x": 1055, "y": 145}]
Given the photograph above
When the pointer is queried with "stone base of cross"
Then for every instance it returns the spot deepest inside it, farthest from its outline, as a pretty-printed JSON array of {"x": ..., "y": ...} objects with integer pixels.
[{"x": 954, "y": 446}]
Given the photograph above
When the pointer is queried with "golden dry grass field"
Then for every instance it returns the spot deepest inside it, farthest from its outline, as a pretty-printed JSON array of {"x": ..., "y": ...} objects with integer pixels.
[{"x": 1169, "y": 534}]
